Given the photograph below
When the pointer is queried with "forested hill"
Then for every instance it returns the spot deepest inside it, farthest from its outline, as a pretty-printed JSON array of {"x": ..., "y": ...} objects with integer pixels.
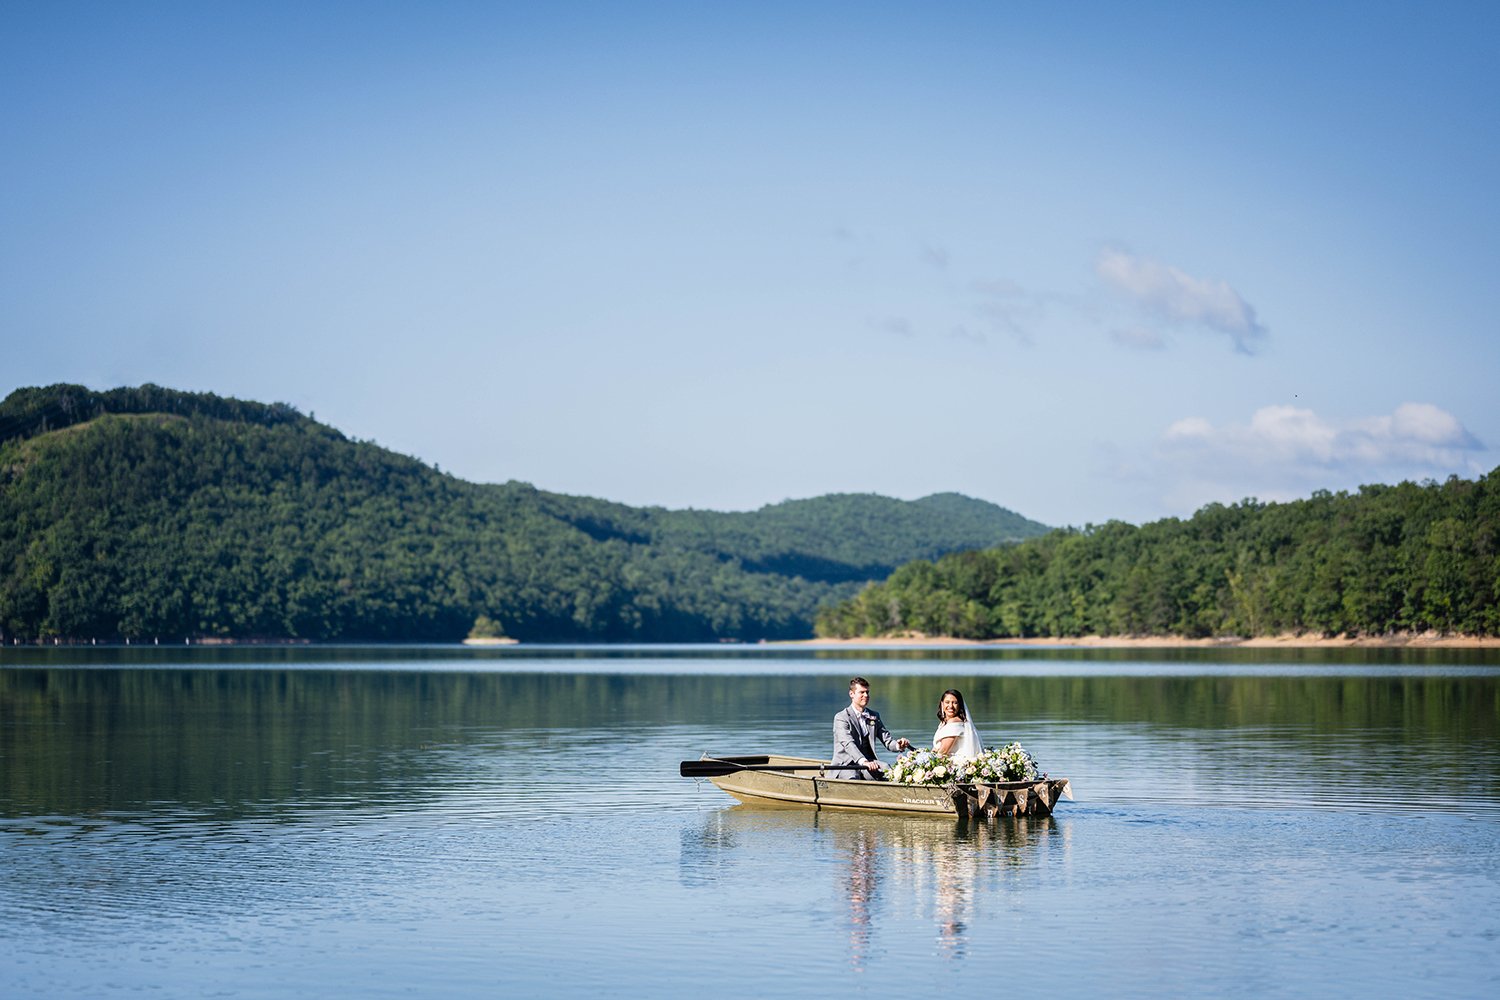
[
  {"x": 1388, "y": 559},
  {"x": 145, "y": 512}
]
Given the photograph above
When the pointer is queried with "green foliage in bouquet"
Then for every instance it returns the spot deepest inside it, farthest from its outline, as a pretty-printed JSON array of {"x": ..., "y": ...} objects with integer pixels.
[
  {"x": 1011, "y": 762},
  {"x": 923, "y": 767}
]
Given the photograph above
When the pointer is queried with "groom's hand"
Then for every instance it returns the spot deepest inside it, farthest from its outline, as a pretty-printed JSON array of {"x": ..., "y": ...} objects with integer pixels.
[{"x": 904, "y": 743}]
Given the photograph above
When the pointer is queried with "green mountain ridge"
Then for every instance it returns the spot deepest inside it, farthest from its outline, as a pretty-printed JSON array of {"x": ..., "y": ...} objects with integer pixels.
[
  {"x": 142, "y": 512},
  {"x": 1407, "y": 559}
]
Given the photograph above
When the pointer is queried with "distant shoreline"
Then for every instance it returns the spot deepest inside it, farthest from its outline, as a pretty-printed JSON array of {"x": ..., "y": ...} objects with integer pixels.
[{"x": 1286, "y": 641}]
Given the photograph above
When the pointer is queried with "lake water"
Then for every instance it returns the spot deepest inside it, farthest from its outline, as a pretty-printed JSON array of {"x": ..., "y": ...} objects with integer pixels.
[{"x": 446, "y": 822}]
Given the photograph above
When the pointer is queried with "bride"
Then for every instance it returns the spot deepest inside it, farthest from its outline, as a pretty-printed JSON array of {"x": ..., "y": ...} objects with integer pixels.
[{"x": 956, "y": 735}]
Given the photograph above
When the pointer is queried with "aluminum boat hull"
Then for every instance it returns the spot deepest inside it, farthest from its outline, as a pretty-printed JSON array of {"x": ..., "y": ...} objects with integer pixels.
[{"x": 810, "y": 788}]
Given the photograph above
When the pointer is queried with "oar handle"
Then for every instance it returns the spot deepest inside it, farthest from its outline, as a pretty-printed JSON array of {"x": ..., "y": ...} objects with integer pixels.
[{"x": 719, "y": 768}]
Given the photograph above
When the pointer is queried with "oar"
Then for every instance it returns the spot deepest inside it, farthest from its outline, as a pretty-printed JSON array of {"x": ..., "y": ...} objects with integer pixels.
[{"x": 719, "y": 768}]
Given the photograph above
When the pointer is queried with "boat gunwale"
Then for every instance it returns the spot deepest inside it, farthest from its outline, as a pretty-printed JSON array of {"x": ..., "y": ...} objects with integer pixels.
[
  {"x": 758, "y": 760},
  {"x": 760, "y": 786}
]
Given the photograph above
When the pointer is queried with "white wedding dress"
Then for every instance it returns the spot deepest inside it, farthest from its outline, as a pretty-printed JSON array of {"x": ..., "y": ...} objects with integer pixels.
[{"x": 968, "y": 746}]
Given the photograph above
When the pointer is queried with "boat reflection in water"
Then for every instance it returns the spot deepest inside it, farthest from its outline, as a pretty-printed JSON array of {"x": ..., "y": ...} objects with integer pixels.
[{"x": 891, "y": 870}]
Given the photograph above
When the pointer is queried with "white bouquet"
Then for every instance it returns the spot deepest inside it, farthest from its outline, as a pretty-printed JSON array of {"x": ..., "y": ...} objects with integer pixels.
[
  {"x": 923, "y": 767},
  {"x": 1011, "y": 762}
]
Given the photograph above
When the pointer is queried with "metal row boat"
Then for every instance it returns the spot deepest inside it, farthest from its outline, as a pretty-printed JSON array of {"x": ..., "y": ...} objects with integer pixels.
[{"x": 774, "y": 779}]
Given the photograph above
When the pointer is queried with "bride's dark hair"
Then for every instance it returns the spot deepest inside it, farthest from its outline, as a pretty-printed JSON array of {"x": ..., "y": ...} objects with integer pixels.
[{"x": 963, "y": 713}]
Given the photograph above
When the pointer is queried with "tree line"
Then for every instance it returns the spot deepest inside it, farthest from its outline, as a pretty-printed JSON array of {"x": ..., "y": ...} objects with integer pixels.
[
  {"x": 1407, "y": 558},
  {"x": 143, "y": 513}
]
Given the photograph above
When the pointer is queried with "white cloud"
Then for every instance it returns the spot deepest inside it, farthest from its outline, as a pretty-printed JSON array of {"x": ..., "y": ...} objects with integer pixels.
[
  {"x": 1171, "y": 295},
  {"x": 1287, "y": 451},
  {"x": 1189, "y": 429},
  {"x": 1287, "y": 434},
  {"x": 1418, "y": 434}
]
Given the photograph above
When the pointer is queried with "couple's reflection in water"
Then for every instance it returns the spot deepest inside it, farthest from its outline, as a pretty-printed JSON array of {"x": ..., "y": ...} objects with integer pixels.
[
  {"x": 937, "y": 866},
  {"x": 894, "y": 868}
]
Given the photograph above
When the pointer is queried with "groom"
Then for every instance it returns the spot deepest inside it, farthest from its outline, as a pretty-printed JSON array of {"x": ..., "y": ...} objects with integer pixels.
[{"x": 855, "y": 730}]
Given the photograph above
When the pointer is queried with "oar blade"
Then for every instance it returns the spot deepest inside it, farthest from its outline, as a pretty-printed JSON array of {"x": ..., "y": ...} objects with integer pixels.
[{"x": 707, "y": 768}]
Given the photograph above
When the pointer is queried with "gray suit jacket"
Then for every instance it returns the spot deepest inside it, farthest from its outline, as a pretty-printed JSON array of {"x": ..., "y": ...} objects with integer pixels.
[{"x": 854, "y": 741}]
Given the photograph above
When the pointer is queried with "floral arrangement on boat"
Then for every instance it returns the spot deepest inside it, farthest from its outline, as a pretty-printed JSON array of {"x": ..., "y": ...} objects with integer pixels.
[
  {"x": 1011, "y": 762},
  {"x": 923, "y": 767}
]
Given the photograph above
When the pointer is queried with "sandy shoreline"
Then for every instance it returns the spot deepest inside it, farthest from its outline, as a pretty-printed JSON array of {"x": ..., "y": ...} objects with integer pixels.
[{"x": 1424, "y": 640}]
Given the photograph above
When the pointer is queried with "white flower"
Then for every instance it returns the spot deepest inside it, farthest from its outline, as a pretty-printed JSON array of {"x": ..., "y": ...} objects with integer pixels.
[
  {"x": 922, "y": 767},
  {"x": 1008, "y": 763}
]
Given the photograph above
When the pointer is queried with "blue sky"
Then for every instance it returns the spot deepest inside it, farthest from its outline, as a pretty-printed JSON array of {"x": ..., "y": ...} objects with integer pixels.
[{"x": 1087, "y": 261}]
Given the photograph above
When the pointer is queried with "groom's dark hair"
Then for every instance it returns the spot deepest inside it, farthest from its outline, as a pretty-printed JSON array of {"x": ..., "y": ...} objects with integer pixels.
[{"x": 859, "y": 682}]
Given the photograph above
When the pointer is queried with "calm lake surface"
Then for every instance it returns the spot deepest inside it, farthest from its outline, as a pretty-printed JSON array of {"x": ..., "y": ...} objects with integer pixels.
[{"x": 447, "y": 822}]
